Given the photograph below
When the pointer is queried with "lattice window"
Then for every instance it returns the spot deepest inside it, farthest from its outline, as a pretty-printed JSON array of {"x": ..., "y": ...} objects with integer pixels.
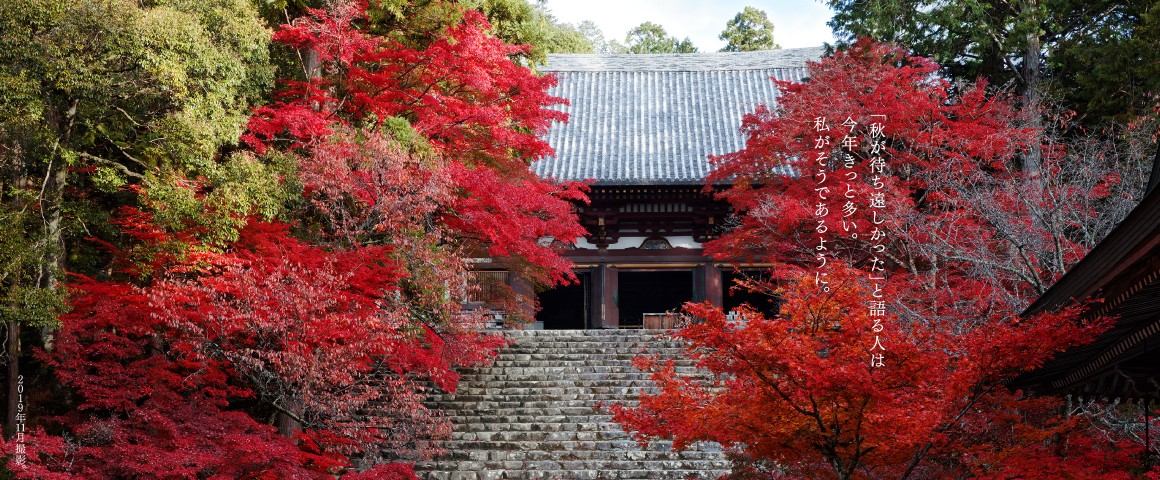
[
  {"x": 560, "y": 246},
  {"x": 487, "y": 285},
  {"x": 655, "y": 243}
]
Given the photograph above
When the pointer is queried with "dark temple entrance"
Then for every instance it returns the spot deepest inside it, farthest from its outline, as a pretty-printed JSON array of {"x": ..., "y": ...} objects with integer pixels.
[
  {"x": 734, "y": 296},
  {"x": 652, "y": 292},
  {"x": 566, "y": 307}
]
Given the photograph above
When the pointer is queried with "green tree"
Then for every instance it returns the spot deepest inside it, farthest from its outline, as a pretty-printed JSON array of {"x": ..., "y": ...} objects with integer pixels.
[
  {"x": 649, "y": 37},
  {"x": 569, "y": 38},
  {"x": 520, "y": 22},
  {"x": 1099, "y": 56},
  {"x": 748, "y": 31},
  {"x": 100, "y": 94},
  {"x": 969, "y": 38},
  {"x": 595, "y": 36},
  {"x": 1109, "y": 71}
]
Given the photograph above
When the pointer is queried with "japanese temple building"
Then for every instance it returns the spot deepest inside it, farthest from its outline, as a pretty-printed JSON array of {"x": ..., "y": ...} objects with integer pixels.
[
  {"x": 641, "y": 129},
  {"x": 1123, "y": 271}
]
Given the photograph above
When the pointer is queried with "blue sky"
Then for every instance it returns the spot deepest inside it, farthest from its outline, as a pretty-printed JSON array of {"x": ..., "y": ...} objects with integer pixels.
[{"x": 796, "y": 23}]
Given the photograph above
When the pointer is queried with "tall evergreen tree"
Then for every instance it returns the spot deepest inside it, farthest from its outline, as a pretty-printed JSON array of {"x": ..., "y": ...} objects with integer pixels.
[
  {"x": 750, "y": 30},
  {"x": 650, "y": 37},
  {"x": 1100, "y": 56},
  {"x": 600, "y": 45}
]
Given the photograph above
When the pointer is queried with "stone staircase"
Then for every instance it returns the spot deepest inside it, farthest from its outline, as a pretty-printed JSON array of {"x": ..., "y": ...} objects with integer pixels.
[{"x": 533, "y": 413}]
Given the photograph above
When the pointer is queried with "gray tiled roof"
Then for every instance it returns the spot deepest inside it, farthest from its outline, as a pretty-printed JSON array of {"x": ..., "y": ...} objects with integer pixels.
[{"x": 655, "y": 119}]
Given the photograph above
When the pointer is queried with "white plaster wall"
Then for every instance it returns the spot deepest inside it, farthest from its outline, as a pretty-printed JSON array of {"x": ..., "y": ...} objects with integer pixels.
[{"x": 634, "y": 242}]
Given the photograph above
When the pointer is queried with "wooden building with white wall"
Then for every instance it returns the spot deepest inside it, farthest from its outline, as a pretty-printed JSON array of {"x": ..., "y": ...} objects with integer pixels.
[{"x": 641, "y": 129}]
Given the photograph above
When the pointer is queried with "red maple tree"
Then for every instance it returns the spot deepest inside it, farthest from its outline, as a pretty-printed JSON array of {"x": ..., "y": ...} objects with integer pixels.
[
  {"x": 955, "y": 243},
  {"x": 303, "y": 350},
  {"x": 177, "y": 378},
  {"x": 481, "y": 113}
]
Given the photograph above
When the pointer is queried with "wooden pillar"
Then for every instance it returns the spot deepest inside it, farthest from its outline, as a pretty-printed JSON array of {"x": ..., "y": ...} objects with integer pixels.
[
  {"x": 714, "y": 291},
  {"x": 609, "y": 312},
  {"x": 596, "y": 298},
  {"x": 593, "y": 286},
  {"x": 525, "y": 296}
]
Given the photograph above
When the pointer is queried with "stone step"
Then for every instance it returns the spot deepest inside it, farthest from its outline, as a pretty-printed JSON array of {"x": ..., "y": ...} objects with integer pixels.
[
  {"x": 535, "y": 412},
  {"x": 557, "y": 383},
  {"x": 642, "y": 342},
  {"x": 499, "y": 401},
  {"x": 509, "y": 384},
  {"x": 517, "y": 334},
  {"x": 627, "y": 354},
  {"x": 607, "y": 363},
  {"x": 598, "y": 464},
  {"x": 539, "y": 470},
  {"x": 475, "y": 417},
  {"x": 558, "y": 393},
  {"x": 492, "y": 402},
  {"x": 518, "y": 432},
  {"x": 606, "y": 378},
  {"x": 564, "y": 426},
  {"x": 540, "y": 355},
  {"x": 558, "y": 373},
  {"x": 520, "y": 395},
  {"x": 590, "y": 435},
  {"x": 574, "y": 369},
  {"x": 538, "y": 350},
  {"x": 516, "y": 411},
  {"x": 624, "y": 444},
  {"x": 602, "y": 466},
  {"x": 535, "y": 455},
  {"x": 571, "y": 353},
  {"x": 574, "y": 475},
  {"x": 559, "y": 388},
  {"x": 609, "y": 348},
  {"x": 651, "y": 342},
  {"x": 492, "y": 409},
  {"x": 475, "y": 379}
]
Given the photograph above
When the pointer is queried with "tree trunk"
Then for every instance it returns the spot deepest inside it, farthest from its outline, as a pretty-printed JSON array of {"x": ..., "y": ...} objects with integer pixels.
[
  {"x": 1033, "y": 159},
  {"x": 13, "y": 377},
  {"x": 286, "y": 425},
  {"x": 54, "y": 258},
  {"x": 287, "y": 421},
  {"x": 51, "y": 202},
  {"x": 52, "y": 206},
  {"x": 311, "y": 64}
]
